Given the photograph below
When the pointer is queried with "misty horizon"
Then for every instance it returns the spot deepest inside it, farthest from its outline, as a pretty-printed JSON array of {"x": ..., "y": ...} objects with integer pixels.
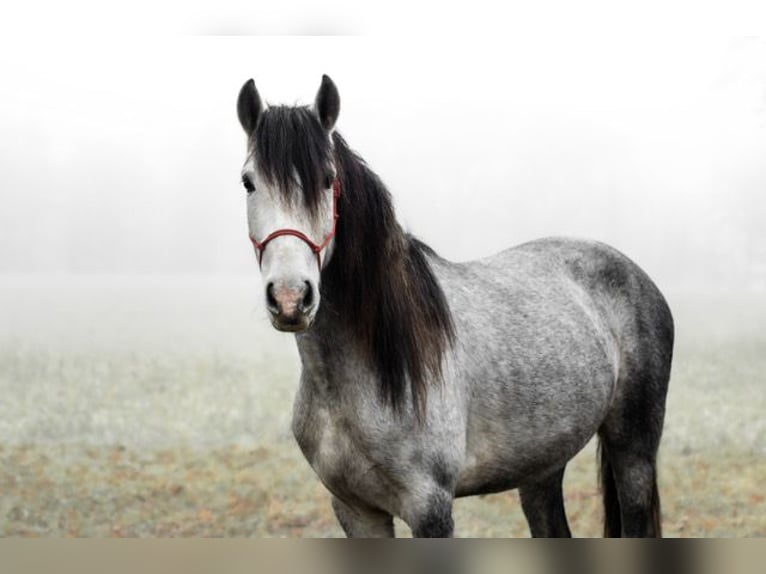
[{"x": 126, "y": 160}]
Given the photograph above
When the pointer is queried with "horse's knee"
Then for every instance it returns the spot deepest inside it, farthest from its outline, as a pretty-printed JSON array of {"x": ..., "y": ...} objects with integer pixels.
[{"x": 435, "y": 521}]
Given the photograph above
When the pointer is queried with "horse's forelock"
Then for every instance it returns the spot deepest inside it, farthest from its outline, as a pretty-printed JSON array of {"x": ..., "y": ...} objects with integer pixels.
[{"x": 292, "y": 150}]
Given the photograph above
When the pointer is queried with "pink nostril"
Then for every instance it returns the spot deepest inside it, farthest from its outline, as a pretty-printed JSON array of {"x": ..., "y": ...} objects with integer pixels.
[{"x": 289, "y": 302}]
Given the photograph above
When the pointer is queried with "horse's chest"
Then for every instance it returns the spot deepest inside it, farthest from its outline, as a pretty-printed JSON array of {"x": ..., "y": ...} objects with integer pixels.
[
  {"x": 326, "y": 441},
  {"x": 330, "y": 443}
]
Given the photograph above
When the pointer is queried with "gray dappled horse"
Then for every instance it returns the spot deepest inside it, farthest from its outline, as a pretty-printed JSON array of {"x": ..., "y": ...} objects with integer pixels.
[{"x": 423, "y": 379}]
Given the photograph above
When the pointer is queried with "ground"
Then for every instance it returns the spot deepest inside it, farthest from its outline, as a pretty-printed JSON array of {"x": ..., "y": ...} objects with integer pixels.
[{"x": 160, "y": 407}]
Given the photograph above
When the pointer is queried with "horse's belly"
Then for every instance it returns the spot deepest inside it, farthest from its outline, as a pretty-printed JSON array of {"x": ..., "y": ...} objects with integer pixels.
[
  {"x": 490, "y": 468},
  {"x": 527, "y": 437}
]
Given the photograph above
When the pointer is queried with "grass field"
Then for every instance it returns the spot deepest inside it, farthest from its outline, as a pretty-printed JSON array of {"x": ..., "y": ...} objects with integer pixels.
[{"x": 161, "y": 407}]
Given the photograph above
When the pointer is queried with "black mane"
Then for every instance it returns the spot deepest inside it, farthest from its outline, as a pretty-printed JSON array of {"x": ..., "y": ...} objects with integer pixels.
[{"x": 378, "y": 282}]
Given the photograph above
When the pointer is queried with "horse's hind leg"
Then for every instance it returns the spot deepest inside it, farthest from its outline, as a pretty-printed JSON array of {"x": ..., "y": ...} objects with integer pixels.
[
  {"x": 634, "y": 472},
  {"x": 543, "y": 506},
  {"x": 630, "y": 437},
  {"x": 363, "y": 522}
]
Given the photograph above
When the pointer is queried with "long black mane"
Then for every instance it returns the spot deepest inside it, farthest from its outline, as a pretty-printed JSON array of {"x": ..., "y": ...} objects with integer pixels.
[{"x": 379, "y": 282}]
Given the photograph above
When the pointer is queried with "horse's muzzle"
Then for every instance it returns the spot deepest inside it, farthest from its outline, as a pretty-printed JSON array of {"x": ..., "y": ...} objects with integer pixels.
[{"x": 290, "y": 304}]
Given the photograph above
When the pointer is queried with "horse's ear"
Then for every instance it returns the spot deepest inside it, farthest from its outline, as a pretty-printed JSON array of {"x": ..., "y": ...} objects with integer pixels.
[
  {"x": 327, "y": 103},
  {"x": 249, "y": 106}
]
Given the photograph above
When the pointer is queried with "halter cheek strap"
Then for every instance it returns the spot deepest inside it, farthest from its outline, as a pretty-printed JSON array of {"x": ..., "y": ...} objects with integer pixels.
[{"x": 260, "y": 246}]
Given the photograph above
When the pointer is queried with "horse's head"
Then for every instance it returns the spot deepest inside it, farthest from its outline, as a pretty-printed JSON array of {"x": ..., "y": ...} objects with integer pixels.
[{"x": 291, "y": 181}]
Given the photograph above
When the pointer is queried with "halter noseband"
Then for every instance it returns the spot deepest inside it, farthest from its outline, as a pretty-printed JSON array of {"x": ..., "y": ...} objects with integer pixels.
[{"x": 260, "y": 246}]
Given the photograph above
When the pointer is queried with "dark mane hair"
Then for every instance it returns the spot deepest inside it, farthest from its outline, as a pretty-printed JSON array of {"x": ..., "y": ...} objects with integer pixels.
[
  {"x": 292, "y": 150},
  {"x": 380, "y": 278},
  {"x": 378, "y": 282}
]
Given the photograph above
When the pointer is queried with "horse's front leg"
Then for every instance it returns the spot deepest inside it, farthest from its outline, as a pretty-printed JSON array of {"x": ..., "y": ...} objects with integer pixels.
[
  {"x": 358, "y": 522},
  {"x": 431, "y": 516}
]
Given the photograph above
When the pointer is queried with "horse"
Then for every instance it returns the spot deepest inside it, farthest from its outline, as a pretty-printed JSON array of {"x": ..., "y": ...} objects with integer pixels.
[{"x": 423, "y": 379}]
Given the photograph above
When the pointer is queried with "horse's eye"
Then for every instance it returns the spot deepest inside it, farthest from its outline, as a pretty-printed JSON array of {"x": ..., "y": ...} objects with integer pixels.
[{"x": 248, "y": 184}]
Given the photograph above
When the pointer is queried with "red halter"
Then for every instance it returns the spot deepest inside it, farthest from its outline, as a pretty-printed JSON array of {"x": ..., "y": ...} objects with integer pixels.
[{"x": 317, "y": 249}]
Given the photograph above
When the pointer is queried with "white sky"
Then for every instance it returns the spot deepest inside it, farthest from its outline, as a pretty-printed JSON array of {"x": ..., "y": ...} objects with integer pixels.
[{"x": 122, "y": 154}]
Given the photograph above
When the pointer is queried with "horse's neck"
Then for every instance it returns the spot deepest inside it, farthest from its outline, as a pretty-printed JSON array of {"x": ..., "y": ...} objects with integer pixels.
[{"x": 331, "y": 362}]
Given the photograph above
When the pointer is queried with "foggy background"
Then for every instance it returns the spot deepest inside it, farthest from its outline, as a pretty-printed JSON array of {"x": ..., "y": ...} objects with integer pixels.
[
  {"x": 122, "y": 156},
  {"x": 143, "y": 391}
]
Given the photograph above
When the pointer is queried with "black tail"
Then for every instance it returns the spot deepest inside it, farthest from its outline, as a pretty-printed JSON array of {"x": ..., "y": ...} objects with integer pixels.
[
  {"x": 612, "y": 521},
  {"x": 656, "y": 510}
]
